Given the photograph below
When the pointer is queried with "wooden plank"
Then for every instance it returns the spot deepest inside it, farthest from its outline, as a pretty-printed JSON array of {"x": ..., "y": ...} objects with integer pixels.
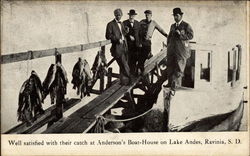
[
  {"x": 22, "y": 127},
  {"x": 16, "y": 57},
  {"x": 41, "y": 119},
  {"x": 58, "y": 126},
  {"x": 87, "y": 121}
]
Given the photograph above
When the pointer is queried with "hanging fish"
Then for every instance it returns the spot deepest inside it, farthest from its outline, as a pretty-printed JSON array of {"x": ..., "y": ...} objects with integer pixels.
[
  {"x": 30, "y": 99},
  {"x": 55, "y": 82},
  {"x": 82, "y": 77},
  {"x": 99, "y": 65}
]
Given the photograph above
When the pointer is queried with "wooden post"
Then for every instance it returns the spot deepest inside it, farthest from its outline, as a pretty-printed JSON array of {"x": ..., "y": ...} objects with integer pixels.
[
  {"x": 130, "y": 99},
  {"x": 152, "y": 77},
  {"x": 102, "y": 74},
  {"x": 109, "y": 75},
  {"x": 228, "y": 67},
  {"x": 58, "y": 111},
  {"x": 208, "y": 66},
  {"x": 59, "y": 94},
  {"x": 234, "y": 68},
  {"x": 101, "y": 82},
  {"x": 167, "y": 98},
  {"x": 239, "y": 62}
]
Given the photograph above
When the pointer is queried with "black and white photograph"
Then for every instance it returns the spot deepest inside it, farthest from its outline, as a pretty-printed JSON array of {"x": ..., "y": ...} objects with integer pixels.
[{"x": 125, "y": 67}]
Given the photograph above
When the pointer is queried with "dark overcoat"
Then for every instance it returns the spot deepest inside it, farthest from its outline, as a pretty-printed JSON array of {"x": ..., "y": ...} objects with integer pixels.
[
  {"x": 114, "y": 34},
  {"x": 133, "y": 31},
  {"x": 178, "y": 45}
]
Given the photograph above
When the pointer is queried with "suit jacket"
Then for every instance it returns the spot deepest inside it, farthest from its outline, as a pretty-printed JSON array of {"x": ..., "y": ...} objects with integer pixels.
[
  {"x": 179, "y": 44},
  {"x": 133, "y": 31},
  {"x": 114, "y": 34}
]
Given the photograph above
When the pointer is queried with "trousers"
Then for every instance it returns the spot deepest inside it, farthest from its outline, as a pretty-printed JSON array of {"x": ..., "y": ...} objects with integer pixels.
[
  {"x": 133, "y": 59},
  {"x": 175, "y": 69},
  {"x": 124, "y": 70},
  {"x": 144, "y": 54}
]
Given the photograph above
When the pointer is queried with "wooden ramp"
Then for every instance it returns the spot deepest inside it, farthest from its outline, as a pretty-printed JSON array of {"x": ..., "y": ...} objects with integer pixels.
[
  {"x": 82, "y": 120},
  {"x": 41, "y": 119}
]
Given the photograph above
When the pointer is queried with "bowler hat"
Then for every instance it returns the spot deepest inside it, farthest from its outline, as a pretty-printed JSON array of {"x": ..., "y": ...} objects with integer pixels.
[
  {"x": 177, "y": 11},
  {"x": 132, "y": 12},
  {"x": 148, "y": 12}
]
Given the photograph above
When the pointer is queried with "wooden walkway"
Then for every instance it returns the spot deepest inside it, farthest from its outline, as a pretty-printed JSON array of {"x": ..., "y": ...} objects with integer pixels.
[
  {"x": 84, "y": 118},
  {"x": 42, "y": 119}
]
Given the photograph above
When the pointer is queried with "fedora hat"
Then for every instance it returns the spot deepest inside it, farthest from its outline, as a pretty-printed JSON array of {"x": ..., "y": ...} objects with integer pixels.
[
  {"x": 177, "y": 11},
  {"x": 132, "y": 12},
  {"x": 147, "y": 12}
]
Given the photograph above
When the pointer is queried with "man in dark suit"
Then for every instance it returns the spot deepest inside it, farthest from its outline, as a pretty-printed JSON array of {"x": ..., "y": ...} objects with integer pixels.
[
  {"x": 115, "y": 32},
  {"x": 132, "y": 38},
  {"x": 178, "y": 50}
]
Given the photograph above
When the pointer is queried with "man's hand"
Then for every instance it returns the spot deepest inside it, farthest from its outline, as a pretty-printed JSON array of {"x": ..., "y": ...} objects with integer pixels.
[
  {"x": 178, "y": 31},
  {"x": 126, "y": 29},
  {"x": 120, "y": 41},
  {"x": 140, "y": 45},
  {"x": 131, "y": 38}
]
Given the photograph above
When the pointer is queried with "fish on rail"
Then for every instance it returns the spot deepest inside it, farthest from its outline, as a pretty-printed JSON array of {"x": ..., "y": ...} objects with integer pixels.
[
  {"x": 55, "y": 82},
  {"x": 30, "y": 99},
  {"x": 100, "y": 65},
  {"x": 82, "y": 77}
]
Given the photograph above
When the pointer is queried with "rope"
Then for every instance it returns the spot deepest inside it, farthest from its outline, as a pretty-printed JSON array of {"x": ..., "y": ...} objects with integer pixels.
[
  {"x": 128, "y": 119},
  {"x": 99, "y": 126}
]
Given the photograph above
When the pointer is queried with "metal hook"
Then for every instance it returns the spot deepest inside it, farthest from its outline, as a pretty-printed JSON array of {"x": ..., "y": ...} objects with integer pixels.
[
  {"x": 56, "y": 52},
  {"x": 81, "y": 47}
]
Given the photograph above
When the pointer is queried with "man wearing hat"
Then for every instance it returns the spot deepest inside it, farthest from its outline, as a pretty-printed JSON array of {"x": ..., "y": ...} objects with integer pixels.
[
  {"x": 132, "y": 37},
  {"x": 115, "y": 31},
  {"x": 147, "y": 27},
  {"x": 178, "y": 50}
]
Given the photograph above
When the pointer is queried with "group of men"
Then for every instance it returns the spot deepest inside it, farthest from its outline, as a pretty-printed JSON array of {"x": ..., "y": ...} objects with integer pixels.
[{"x": 131, "y": 45}]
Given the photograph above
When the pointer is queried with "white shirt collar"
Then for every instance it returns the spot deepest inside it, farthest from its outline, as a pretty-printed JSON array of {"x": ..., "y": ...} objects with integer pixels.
[
  {"x": 131, "y": 21},
  {"x": 178, "y": 22},
  {"x": 117, "y": 20}
]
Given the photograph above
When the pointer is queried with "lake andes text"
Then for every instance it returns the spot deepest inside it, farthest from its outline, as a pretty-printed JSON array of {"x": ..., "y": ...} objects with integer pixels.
[
  {"x": 185, "y": 141},
  {"x": 169, "y": 141},
  {"x": 127, "y": 142}
]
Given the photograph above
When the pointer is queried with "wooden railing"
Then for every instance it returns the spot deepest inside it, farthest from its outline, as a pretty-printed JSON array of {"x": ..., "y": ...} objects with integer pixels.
[
  {"x": 52, "y": 113},
  {"x": 29, "y": 55}
]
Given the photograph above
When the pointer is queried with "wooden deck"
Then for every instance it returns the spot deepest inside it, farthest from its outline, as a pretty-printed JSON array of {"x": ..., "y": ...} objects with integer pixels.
[{"x": 82, "y": 120}]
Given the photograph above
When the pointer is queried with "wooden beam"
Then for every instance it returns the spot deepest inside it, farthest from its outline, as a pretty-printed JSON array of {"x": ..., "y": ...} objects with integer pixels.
[
  {"x": 94, "y": 91},
  {"x": 41, "y": 119},
  {"x": 109, "y": 77},
  {"x": 22, "y": 56},
  {"x": 110, "y": 62},
  {"x": 115, "y": 75}
]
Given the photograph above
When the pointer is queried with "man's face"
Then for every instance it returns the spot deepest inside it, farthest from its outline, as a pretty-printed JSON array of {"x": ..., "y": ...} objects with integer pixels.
[
  {"x": 118, "y": 16},
  {"x": 148, "y": 17},
  {"x": 131, "y": 17},
  {"x": 177, "y": 18}
]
